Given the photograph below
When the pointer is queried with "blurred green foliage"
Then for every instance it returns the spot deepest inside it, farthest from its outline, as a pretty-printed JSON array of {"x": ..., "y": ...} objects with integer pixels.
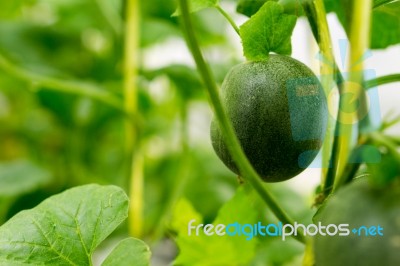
[
  {"x": 77, "y": 139},
  {"x": 52, "y": 140}
]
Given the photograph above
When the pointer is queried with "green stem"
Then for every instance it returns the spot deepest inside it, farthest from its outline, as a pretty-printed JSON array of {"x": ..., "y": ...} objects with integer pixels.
[
  {"x": 131, "y": 57},
  {"x": 372, "y": 83},
  {"x": 64, "y": 86},
  {"x": 359, "y": 43},
  {"x": 229, "y": 18},
  {"x": 325, "y": 45},
  {"x": 233, "y": 144},
  {"x": 352, "y": 168},
  {"x": 389, "y": 123},
  {"x": 315, "y": 12}
]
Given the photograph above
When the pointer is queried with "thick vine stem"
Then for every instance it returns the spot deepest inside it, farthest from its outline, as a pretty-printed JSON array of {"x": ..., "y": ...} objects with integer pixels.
[
  {"x": 226, "y": 127},
  {"x": 359, "y": 43},
  {"x": 315, "y": 12},
  {"x": 131, "y": 58}
]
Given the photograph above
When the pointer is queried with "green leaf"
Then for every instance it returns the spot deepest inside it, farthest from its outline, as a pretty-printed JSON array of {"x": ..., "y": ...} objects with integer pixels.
[
  {"x": 183, "y": 213},
  {"x": 21, "y": 177},
  {"x": 250, "y": 7},
  {"x": 197, "y": 5},
  {"x": 154, "y": 30},
  {"x": 214, "y": 249},
  {"x": 377, "y": 3},
  {"x": 384, "y": 171},
  {"x": 293, "y": 7},
  {"x": 130, "y": 251},
  {"x": 65, "y": 228},
  {"x": 274, "y": 251},
  {"x": 269, "y": 30},
  {"x": 185, "y": 78},
  {"x": 385, "y": 27}
]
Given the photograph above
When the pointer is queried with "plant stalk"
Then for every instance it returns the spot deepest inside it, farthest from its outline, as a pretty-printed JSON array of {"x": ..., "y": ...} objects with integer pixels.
[
  {"x": 228, "y": 18},
  {"x": 369, "y": 84},
  {"x": 234, "y": 147},
  {"x": 359, "y": 43},
  {"x": 327, "y": 80},
  {"x": 132, "y": 145},
  {"x": 316, "y": 14}
]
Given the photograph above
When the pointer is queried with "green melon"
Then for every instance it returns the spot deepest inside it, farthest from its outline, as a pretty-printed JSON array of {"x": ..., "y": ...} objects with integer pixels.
[
  {"x": 360, "y": 205},
  {"x": 279, "y": 112}
]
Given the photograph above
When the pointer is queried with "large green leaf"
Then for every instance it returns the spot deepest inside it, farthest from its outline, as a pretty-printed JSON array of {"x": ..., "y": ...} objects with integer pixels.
[
  {"x": 64, "y": 229},
  {"x": 130, "y": 251},
  {"x": 269, "y": 30},
  {"x": 214, "y": 249}
]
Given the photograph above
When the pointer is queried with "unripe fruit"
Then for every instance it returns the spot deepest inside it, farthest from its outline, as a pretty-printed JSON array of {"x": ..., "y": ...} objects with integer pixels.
[{"x": 278, "y": 110}]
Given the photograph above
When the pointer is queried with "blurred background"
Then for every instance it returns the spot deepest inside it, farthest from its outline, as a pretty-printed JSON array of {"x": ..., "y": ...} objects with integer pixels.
[{"x": 60, "y": 126}]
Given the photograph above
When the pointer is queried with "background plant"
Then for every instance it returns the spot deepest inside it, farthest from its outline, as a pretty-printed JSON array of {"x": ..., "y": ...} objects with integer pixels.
[{"x": 82, "y": 103}]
